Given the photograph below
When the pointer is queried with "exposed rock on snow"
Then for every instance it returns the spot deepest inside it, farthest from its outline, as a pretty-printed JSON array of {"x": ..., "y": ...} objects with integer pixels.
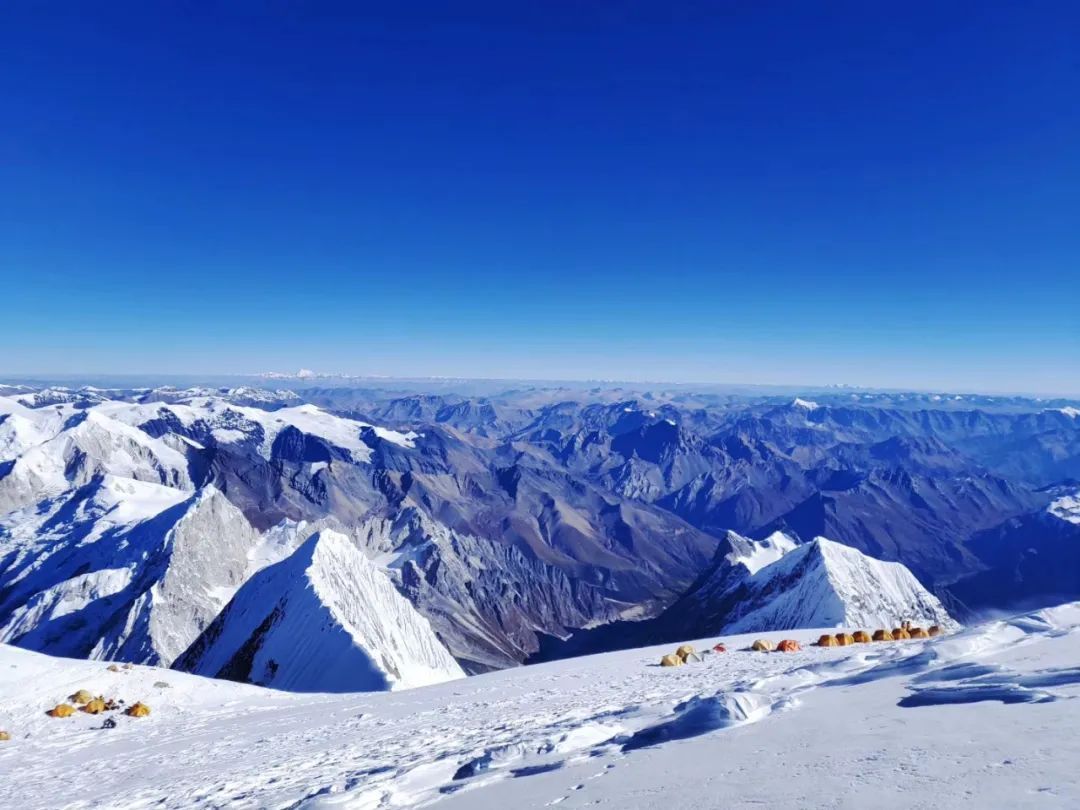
[
  {"x": 826, "y": 584},
  {"x": 776, "y": 584},
  {"x": 1067, "y": 508},
  {"x": 323, "y": 620},
  {"x": 122, "y": 584}
]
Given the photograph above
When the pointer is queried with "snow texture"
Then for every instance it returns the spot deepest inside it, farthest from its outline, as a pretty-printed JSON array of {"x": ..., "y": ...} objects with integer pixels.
[{"x": 984, "y": 717}]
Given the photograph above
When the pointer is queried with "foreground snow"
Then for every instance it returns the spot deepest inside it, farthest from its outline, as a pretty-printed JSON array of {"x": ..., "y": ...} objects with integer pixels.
[{"x": 982, "y": 718}]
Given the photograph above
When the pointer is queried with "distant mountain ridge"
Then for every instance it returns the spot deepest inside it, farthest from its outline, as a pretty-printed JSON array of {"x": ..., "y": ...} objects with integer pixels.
[{"x": 130, "y": 518}]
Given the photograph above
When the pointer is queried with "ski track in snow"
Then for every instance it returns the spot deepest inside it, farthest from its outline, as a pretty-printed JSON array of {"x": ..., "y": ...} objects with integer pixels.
[{"x": 213, "y": 744}]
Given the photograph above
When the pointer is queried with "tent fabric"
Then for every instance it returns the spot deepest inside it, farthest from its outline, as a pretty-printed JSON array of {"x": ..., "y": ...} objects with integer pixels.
[
  {"x": 918, "y": 632},
  {"x": 671, "y": 661},
  {"x": 138, "y": 710},
  {"x": 95, "y": 706},
  {"x": 719, "y": 648},
  {"x": 882, "y": 635},
  {"x": 934, "y": 630},
  {"x": 61, "y": 710},
  {"x": 4, "y": 736},
  {"x": 900, "y": 634},
  {"x": 685, "y": 651},
  {"x": 788, "y": 646},
  {"x": 828, "y": 641},
  {"x": 81, "y": 697},
  {"x": 762, "y": 645},
  {"x": 844, "y": 639},
  {"x": 861, "y": 637}
]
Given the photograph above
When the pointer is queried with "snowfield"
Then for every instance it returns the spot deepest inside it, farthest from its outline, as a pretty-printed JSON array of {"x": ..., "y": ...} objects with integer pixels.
[{"x": 985, "y": 717}]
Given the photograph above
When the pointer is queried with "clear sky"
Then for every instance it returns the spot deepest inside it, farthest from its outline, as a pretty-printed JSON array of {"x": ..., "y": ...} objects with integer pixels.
[{"x": 862, "y": 193}]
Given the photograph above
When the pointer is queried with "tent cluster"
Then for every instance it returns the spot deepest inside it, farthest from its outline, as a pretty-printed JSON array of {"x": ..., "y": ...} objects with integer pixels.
[
  {"x": 681, "y": 656},
  {"x": 904, "y": 631},
  {"x": 89, "y": 704},
  {"x": 4, "y": 736}
]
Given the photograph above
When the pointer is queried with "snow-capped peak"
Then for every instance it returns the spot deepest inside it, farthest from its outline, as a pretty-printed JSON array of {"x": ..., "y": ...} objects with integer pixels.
[
  {"x": 828, "y": 584},
  {"x": 754, "y": 555},
  {"x": 807, "y": 404},
  {"x": 323, "y": 619},
  {"x": 1066, "y": 508}
]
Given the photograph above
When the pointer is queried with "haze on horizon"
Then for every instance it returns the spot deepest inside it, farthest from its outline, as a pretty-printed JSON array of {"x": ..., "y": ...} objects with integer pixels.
[{"x": 758, "y": 195}]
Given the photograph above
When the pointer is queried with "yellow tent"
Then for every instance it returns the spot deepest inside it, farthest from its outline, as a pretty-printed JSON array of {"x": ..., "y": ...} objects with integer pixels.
[
  {"x": 138, "y": 710},
  {"x": 900, "y": 634},
  {"x": 934, "y": 630},
  {"x": 882, "y": 635},
  {"x": 685, "y": 651},
  {"x": 4, "y": 736},
  {"x": 763, "y": 645},
  {"x": 81, "y": 697},
  {"x": 671, "y": 661},
  {"x": 95, "y": 706},
  {"x": 918, "y": 632},
  {"x": 861, "y": 637},
  {"x": 61, "y": 710},
  {"x": 827, "y": 641},
  {"x": 844, "y": 639}
]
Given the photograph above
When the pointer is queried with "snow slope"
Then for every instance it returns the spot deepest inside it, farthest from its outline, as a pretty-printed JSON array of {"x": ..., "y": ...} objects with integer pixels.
[
  {"x": 324, "y": 619},
  {"x": 982, "y": 718},
  {"x": 826, "y": 584},
  {"x": 776, "y": 584}
]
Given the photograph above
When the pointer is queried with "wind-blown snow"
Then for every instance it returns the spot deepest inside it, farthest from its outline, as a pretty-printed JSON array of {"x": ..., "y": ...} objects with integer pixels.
[{"x": 983, "y": 718}]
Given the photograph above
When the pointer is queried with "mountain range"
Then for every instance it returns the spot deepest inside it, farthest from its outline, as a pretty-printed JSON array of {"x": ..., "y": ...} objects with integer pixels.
[{"x": 198, "y": 528}]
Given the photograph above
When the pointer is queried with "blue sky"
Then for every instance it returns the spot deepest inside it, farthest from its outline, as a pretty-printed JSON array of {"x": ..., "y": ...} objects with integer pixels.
[{"x": 762, "y": 192}]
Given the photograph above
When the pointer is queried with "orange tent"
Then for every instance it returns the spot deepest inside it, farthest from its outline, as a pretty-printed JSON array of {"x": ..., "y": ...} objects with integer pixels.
[
  {"x": 934, "y": 630},
  {"x": 900, "y": 634},
  {"x": 844, "y": 639},
  {"x": 827, "y": 641},
  {"x": 138, "y": 710},
  {"x": 61, "y": 710},
  {"x": 861, "y": 637},
  {"x": 882, "y": 635},
  {"x": 788, "y": 645},
  {"x": 917, "y": 632}
]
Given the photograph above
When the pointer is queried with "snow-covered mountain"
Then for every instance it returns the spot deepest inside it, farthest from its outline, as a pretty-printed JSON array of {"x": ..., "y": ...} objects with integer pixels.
[
  {"x": 826, "y": 584},
  {"x": 129, "y": 518},
  {"x": 122, "y": 569},
  {"x": 322, "y": 620},
  {"x": 777, "y": 584}
]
